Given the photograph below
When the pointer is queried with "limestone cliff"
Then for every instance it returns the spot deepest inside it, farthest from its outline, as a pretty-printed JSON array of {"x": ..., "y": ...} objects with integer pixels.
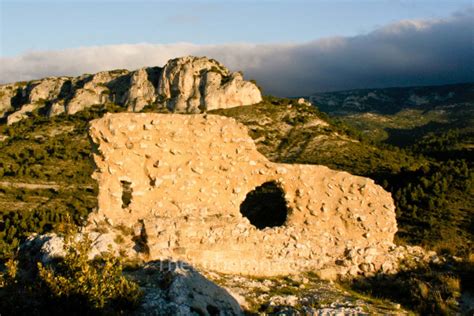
[
  {"x": 194, "y": 85},
  {"x": 187, "y": 84}
]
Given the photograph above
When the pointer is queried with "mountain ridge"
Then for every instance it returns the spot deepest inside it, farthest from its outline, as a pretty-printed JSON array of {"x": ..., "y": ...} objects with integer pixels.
[
  {"x": 186, "y": 84},
  {"x": 391, "y": 99}
]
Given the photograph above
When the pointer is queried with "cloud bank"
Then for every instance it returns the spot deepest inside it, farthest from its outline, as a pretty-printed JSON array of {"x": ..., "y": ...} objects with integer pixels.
[{"x": 411, "y": 52}]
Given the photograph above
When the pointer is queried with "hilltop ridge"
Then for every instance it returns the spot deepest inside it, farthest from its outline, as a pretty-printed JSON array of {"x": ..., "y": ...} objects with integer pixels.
[
  {"x": 394, "y": 99},
  {"x": 186, "y": 85}
]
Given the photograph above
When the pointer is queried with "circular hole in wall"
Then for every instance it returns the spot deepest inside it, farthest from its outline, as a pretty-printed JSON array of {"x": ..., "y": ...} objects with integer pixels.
[{"x": 265, "y": 206}]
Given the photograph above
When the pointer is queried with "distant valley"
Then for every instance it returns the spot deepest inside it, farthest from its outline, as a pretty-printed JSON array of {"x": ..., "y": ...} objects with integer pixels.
[{"x": 401, "y": 116}]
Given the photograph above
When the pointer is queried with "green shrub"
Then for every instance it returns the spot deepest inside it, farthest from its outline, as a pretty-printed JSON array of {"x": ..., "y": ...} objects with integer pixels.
[
  {"x": 68, "y": 286},
  {"x": 8, "y": 277},
  {"x": 98, "y": 283}
]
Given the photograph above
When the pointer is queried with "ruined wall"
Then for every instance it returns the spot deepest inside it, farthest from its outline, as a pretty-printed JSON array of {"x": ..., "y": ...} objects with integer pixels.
[{"x": 183, "y": 178}]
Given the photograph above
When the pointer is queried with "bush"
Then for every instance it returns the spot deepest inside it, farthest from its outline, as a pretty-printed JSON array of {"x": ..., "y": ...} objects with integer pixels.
[
  {"x": 98, "y": 283},
  {"x": 8, "y": 277},
  {"x": 73, "y": 285}
]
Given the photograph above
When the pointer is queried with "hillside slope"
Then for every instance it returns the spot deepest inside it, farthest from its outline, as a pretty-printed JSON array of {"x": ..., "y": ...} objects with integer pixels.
[
  {"x": 393, "y": 100},
  {"x": 403, "y": 116},
  {"x": 53, "y": 154},
  {"x": 45, "y": 169}
]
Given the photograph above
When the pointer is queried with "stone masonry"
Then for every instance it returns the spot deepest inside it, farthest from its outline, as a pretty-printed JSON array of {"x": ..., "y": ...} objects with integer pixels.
[{"x": 179, "y": 181}]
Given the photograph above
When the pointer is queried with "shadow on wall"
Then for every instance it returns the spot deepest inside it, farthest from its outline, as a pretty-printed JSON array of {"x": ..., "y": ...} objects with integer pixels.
[{"x": 126, "y": 193}]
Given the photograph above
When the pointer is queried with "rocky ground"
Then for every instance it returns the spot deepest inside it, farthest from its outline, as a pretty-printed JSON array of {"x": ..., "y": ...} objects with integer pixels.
[
  {"x": 185, "y": 290},
  {"x": 304, "y": 294}
]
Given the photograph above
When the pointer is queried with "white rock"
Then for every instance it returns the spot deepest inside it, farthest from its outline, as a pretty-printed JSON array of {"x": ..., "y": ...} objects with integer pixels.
[
  {"x": 189, "y": 288},
  {"x": 141, "y": 91},
  {"x": 193, "y": 85}
]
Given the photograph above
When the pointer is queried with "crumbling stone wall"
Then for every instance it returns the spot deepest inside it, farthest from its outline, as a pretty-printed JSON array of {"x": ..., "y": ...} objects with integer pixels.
[{"x": 182, "y": 180}]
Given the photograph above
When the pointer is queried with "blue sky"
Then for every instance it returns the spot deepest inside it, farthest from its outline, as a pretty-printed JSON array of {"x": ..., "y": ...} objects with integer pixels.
[
  {"x": 290, "y": 47},
  {"x": 52, "y": 25}
]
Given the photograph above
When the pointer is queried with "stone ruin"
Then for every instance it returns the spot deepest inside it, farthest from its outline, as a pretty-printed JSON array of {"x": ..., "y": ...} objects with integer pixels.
[{"x": 194, "y": 188}]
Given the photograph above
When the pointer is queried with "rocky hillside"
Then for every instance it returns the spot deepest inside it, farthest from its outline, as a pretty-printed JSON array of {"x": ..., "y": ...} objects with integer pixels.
[
  {"x": 405, "y": 116},
  {"x": 46, "y": 167},
  {"x": 187, "y": 84},
  {"x": 45, "y": 184},
  {"x": 393, "y": 100}
]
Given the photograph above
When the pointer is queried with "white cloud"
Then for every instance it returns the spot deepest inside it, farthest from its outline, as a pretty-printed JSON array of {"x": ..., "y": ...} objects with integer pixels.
[{"x": 405, "y": 53}]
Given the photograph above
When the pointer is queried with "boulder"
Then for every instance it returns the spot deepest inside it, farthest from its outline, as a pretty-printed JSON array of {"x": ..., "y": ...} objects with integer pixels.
[
  {"x": 48, "y": 247},
  {"x": 170, "y": 288},
  {"x": 303, "y": 101},
  {"x": 189, "y": 289},
  {"x": 174, "y": 288}
]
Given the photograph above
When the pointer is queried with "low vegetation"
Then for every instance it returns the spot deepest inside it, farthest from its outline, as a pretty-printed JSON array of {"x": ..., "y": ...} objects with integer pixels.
[
  {"x": 45, "y": 175},
  {"x": 98, "y": 284},
  {"x": 68, "y": 286},
  {"x": 427, "y": 290}
]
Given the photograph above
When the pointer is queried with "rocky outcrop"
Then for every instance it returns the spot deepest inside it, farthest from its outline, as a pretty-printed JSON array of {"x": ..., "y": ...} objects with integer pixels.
[
  {"x": 21, "y": 114},
  {"x": 183, "y": 291},
  {"x": 7, "y": 94},
  {"x": 33, "y": 96},
  {"x": 141, "y": 91},
  {"x": 187, "y": 84},
  {"x": 170, "y": 287},
  {"x": 194, "y": 85},
  {"x": 46, "y": 89},
  {"x": 95, "y": 90},
  {"x": 194, "y": 188}
]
